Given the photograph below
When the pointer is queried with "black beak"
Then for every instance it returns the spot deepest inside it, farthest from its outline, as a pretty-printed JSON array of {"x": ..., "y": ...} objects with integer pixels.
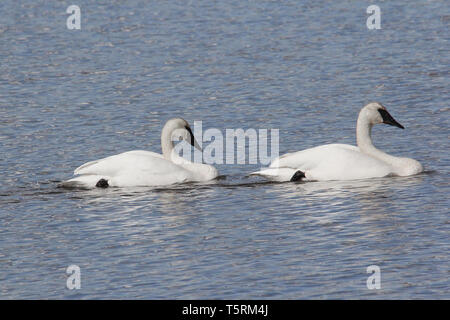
[
  {"x": 387, "y": 119},
  {"x": 192, "y": 142}
]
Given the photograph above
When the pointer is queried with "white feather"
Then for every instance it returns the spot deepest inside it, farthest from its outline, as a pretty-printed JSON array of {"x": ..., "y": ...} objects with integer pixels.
[
  {"x": 145, "y": 168},
  {"x": 341, "y": 161}
]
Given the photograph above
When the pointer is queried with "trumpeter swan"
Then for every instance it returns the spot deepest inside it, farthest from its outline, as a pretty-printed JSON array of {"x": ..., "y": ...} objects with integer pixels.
[
  {"x": 146, "y": 168},
  {"x": 345, "y": 162}
]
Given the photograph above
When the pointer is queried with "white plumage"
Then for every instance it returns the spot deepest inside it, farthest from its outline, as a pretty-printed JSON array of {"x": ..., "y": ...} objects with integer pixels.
[
  {"x": 146, "y": 168},
  {"x": 345, "y": 162}
]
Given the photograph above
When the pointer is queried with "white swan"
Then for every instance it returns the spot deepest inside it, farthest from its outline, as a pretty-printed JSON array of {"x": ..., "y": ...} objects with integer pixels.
[
  {"x": 146, "y": 168},
  {"x": 344, "y": 162}
]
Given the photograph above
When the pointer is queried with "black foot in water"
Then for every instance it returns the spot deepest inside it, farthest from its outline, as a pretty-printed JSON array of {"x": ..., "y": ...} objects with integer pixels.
[
  {"x": 298, "y": 176},
  {"x": 102, "y": 183}
]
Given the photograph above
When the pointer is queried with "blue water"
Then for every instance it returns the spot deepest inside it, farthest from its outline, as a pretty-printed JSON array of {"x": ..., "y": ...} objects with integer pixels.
[{"x": 68, "y": 97}]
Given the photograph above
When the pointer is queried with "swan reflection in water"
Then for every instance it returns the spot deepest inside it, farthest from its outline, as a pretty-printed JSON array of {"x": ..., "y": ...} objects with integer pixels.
[{"x": 330, "y": 201}]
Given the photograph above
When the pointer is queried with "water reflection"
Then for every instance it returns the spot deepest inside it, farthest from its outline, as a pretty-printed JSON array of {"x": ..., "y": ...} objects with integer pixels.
[{"x": 237, "y": 237}]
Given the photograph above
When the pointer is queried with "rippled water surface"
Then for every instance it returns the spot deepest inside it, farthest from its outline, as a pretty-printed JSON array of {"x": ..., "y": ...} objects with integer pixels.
[{"x": 68, "y": 97}]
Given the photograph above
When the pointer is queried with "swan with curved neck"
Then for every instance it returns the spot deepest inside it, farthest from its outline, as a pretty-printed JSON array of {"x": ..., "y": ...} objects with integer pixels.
[
  {"x": 372, "y": 114},
  {"x": 146, "y": 168},
  {"x": 345, "y": 162}
]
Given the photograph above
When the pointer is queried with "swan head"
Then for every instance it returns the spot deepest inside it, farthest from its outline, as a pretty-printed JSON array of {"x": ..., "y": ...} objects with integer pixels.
[
  {"x": 376, "y": 113},
  {"x": 176, "y": 129}
]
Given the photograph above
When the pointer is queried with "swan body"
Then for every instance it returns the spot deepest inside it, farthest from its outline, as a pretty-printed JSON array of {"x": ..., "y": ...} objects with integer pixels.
[
  {"x": 342, "y": 161},
  {"x": 146, "y": 168}
]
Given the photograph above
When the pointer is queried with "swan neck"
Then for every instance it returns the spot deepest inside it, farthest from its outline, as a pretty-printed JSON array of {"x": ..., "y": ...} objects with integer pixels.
[
  {"x": 365, "y": 145},
  {"x": 363, "y": 134},
  {"x": 167, "y": 145}
]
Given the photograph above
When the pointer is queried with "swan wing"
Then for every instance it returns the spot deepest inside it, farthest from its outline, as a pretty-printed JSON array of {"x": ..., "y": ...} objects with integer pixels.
[
  {"x": 137, "y": 159},
  {"x": 333, "y": 162},
  {"x": 133, "y": 168},
  {"x": 309, "y": 158}
]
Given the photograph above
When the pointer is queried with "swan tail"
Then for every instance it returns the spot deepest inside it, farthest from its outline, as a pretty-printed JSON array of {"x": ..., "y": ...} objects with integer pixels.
[
  {"x": 298, "y": 176},
  {"x": 277, "y": 174},
  {"x": 81, "y": 168},
  {"x": 88, "y": 181}
]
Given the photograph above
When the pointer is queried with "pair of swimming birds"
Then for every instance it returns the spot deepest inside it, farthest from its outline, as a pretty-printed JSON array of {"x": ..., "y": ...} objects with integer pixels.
[{"x": 322, "y": 163}]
